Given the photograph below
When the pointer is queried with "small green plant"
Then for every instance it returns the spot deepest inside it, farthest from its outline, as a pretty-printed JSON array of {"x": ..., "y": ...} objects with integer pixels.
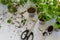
[
  {"x": 11, "y": 3},
  {"x": 48, "y": 9},
  {"x": 57, "y": 24},
  {"x": 9, "y": 21},
  {"x": 23, "y": 21}
]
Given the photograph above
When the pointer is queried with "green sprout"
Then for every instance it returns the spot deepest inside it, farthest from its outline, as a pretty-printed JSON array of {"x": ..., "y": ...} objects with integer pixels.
[
  {"x": 9, "y": 21},
  {"x": 41, "y": 17},
  {"x": 23, "y": 21},
  {"x": 44, "y": 17},
  {"x": 11, "y": 8}
]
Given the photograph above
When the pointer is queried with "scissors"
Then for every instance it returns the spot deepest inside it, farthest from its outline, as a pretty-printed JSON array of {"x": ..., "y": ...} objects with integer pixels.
[{"x": 27, "y": 35}]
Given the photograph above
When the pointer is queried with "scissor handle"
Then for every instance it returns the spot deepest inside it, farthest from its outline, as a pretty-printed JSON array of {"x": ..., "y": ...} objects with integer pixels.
[
  {"x": 26, "y": 35},
  {"x": 26, "y": 31},
  {"x": 31, "y": 34}
]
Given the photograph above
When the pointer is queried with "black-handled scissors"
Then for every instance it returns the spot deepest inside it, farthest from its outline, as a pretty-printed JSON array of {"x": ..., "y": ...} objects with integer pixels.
[{"x": 27, "y": 35}]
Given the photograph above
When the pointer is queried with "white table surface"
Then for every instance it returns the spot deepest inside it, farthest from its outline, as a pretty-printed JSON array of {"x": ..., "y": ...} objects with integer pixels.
[{"x": 11, "y": 32}]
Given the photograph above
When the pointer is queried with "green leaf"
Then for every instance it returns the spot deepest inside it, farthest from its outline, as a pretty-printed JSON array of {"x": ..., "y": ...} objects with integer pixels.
[
  {"x": 55, "y": 2},
  {"x": 57, "y": 24},
  {"x": 23, "y": 21},
  {"x": 9, "y": 21},
  {"x": 58, "y": 8},
  {"x": 11, "y": 8},
  {"x": 23, "y": 2},
  {"x": 4, "y": 2}
]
